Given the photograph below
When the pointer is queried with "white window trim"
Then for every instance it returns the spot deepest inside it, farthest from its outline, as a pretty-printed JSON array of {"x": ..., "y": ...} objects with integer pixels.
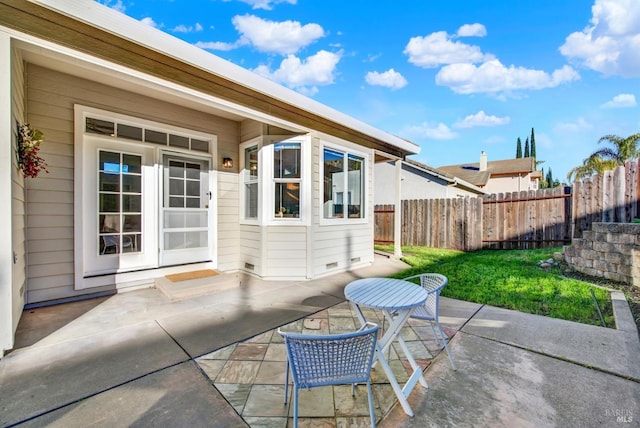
[
  {"x": 367, "y": 165},
  {"x": 268, "y": 215},
  {"x": 81, "y": 112},
  {"x": 247, "y": 144}
]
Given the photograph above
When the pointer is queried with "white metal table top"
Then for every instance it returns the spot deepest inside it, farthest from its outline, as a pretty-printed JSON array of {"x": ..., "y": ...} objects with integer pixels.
[{"x": 385, "y": 293}]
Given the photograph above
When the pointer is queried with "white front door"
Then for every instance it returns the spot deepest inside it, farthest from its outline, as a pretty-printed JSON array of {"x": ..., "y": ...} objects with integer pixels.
[
  {"x": 185, "y": 232},
  {"x": 119, "y": 207}
]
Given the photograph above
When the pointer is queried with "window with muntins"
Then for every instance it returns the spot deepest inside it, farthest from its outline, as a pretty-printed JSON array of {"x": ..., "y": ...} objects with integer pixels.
[
  {"x": 250, "y": 175},
  {"x": 287, "y": 179},
  {"x": 343, "y": 184},
  {"x": 120, "y": 202}
]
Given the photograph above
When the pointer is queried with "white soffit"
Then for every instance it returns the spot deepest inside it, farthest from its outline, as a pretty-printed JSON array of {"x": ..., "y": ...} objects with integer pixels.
[
  {"x": 50, "y": 55},
  {"x": 131, "y": 29}
]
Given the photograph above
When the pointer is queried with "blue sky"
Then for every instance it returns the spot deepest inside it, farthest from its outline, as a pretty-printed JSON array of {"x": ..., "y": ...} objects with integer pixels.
[{"x": 457, "y": 77}]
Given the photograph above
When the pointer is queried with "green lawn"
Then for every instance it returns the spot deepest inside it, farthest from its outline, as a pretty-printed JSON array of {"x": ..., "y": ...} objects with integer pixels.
[{"x": 510, "y": 279}]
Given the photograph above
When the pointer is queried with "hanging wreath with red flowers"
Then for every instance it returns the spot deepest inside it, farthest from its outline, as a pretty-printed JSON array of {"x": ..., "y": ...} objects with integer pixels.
[{"x": 29, "y": 161}]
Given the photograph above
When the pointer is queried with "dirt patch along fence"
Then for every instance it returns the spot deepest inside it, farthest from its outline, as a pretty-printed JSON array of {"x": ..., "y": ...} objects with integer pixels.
[{"x": 517, "y": 220}]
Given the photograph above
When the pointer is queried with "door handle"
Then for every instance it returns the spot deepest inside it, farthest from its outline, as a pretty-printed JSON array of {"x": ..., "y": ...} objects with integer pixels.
[{"x": 209, "y": 195}]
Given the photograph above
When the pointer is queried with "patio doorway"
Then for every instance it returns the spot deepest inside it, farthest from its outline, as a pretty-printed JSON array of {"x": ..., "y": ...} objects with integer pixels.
[{"x": 185, "y": 232}]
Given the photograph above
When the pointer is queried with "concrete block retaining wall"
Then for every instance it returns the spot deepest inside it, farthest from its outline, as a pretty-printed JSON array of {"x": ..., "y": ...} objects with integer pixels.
[{"x": 608, "y": 250}]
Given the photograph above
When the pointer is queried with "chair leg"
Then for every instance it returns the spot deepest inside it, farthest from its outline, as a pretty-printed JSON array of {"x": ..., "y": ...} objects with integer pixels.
[
  {"x": 445, "y": 342},
  {"x": 372, "y": 414},
  {"x": 286, "y": 383},
  {"x": 295, "y": 407}
]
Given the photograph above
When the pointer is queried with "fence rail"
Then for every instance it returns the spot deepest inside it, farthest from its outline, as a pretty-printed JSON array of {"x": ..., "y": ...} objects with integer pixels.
[{"x": 517, "y": 220}]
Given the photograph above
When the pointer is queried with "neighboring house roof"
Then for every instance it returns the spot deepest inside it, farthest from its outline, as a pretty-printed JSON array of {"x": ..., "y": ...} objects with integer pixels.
[
  {"x": 471, "y": 171},
  {"x": 443, "y": 175},
  {"x": 102, "y": 32}
]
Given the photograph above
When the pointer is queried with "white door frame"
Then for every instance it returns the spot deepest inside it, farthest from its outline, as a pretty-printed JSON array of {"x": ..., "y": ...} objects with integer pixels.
[
  {"x": 207, "y": 201},
  {"x": 129, "y": 276}
]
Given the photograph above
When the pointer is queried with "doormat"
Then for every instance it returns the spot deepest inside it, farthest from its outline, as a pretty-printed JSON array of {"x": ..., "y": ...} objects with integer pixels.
[{"x": 196, "y": 274}]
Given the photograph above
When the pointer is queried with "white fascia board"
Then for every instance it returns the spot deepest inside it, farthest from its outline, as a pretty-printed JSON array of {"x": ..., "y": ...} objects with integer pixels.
[
  {"x": 123, "y": 26},
  {"x": 455, "y": 181}
]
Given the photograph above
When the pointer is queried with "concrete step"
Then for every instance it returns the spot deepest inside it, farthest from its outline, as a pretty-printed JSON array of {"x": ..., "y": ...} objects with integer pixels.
[{"x": 191, "y": 288}]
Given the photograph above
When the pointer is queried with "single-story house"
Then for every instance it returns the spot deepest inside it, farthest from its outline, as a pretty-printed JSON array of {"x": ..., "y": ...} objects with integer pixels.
[
  {"x": 419, "y": 181},
  {"x": 508, "y": 175},
  {"x": 163, "y": 158}
]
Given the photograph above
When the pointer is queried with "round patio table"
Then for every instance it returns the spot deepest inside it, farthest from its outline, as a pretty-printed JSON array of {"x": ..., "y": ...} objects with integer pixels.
[{"x": 397, "y": 299}]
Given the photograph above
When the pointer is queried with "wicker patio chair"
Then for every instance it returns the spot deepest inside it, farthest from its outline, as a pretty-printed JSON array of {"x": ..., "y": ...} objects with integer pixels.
[
  {"x": 337, "y": 359},
  {"x": 433, "y": 283}
]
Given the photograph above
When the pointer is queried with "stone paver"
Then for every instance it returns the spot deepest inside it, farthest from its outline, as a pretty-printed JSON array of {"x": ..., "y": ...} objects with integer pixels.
[{"x": 251, "y": 374}]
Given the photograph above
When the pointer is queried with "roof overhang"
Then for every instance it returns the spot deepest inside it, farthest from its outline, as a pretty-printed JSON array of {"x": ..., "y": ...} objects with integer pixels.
[{"x": 114, "y": 44}]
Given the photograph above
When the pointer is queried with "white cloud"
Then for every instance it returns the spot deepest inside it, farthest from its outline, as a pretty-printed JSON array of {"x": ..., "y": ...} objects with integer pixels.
[
  {"x": 372, "y": 57},
  {"x": 579, "y": 125},
  {"x": 492, "y": 76},
  {"x": 481, "y": 119},
  {"x": 611, "y": 42},
  {"x": 218, "y": 46},
  {"x": 304, "y": 75},
  {"x": 432, "y": 131},
  {"x": 187, "y": 29},
  {"x": 286, "y": 37},
  {"x": 149, "y": 21},
  {"x": 266, "y": 4},
  {"x": 621, "y": 101},
  {"x": 390, "y": 79},
  {"x": 472, "y": 30},
  {"x": 115, "y": 5},
  {"x": 439, "y": 48}
]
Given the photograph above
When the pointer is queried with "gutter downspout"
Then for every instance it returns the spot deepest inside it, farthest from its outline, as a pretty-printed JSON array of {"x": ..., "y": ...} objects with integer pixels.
[{"x": 397, "y": 216}]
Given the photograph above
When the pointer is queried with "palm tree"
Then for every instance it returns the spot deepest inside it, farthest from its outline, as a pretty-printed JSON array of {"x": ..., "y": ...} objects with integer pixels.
[
  {"x": 622, "y": 150},
  {"x": 593, "y": 165}
]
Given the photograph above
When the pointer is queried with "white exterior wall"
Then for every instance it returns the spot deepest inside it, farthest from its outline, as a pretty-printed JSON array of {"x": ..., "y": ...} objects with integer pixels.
[
  {"x": 339, "y": 246},
  {"x": 285, "y": 252},
  {"x": 510, "y": 184},
  {"x": 415, "y": 185},
  {"x": 228, "y": 227},
  {"x": 12, "y": 251}
]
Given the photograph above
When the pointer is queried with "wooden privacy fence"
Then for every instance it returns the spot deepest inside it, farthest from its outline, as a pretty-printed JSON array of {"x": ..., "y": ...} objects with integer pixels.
[
  {"x": 517, "y": 220},
  {"x": 609, "y": 198}
]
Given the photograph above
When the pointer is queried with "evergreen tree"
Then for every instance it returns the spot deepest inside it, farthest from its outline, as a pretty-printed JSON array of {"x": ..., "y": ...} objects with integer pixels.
[
  {"x": 526, "y": 148},
  {"x": 533, "y": 144},
  {"x": 543, "y": 179},
  {"x": 519, "y": 149},
  {"x": 550, "y": 179}
]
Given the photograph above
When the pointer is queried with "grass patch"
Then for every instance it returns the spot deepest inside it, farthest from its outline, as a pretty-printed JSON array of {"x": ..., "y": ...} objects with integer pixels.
[{"x": 511, "y": 279}]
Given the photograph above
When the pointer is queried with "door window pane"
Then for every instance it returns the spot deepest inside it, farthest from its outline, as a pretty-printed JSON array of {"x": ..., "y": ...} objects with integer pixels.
[
  {"x": 102, "y": 127},
  {"x": 119, "y": 202},
  {"x": 129, "y": 132}
]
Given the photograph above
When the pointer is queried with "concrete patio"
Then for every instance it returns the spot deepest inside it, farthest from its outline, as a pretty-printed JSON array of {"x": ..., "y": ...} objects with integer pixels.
[{"x": 138, "y": 359}]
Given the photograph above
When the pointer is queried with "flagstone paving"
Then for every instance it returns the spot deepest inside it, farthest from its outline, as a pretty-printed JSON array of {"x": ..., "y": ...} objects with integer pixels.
[{"x": 251, "y": 374}]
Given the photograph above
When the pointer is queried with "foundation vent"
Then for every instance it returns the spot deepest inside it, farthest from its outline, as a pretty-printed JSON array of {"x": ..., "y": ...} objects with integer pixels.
[
  {"x": 332, "y": 265},
  {"x": 249, "y": 266}
]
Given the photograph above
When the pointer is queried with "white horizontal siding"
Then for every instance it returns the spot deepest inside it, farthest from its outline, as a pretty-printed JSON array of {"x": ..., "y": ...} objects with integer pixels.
[
  {"x": 228, "y": 228},
  {"x": 284, "y": 260},
  {"x": 250, "y": 251}
]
